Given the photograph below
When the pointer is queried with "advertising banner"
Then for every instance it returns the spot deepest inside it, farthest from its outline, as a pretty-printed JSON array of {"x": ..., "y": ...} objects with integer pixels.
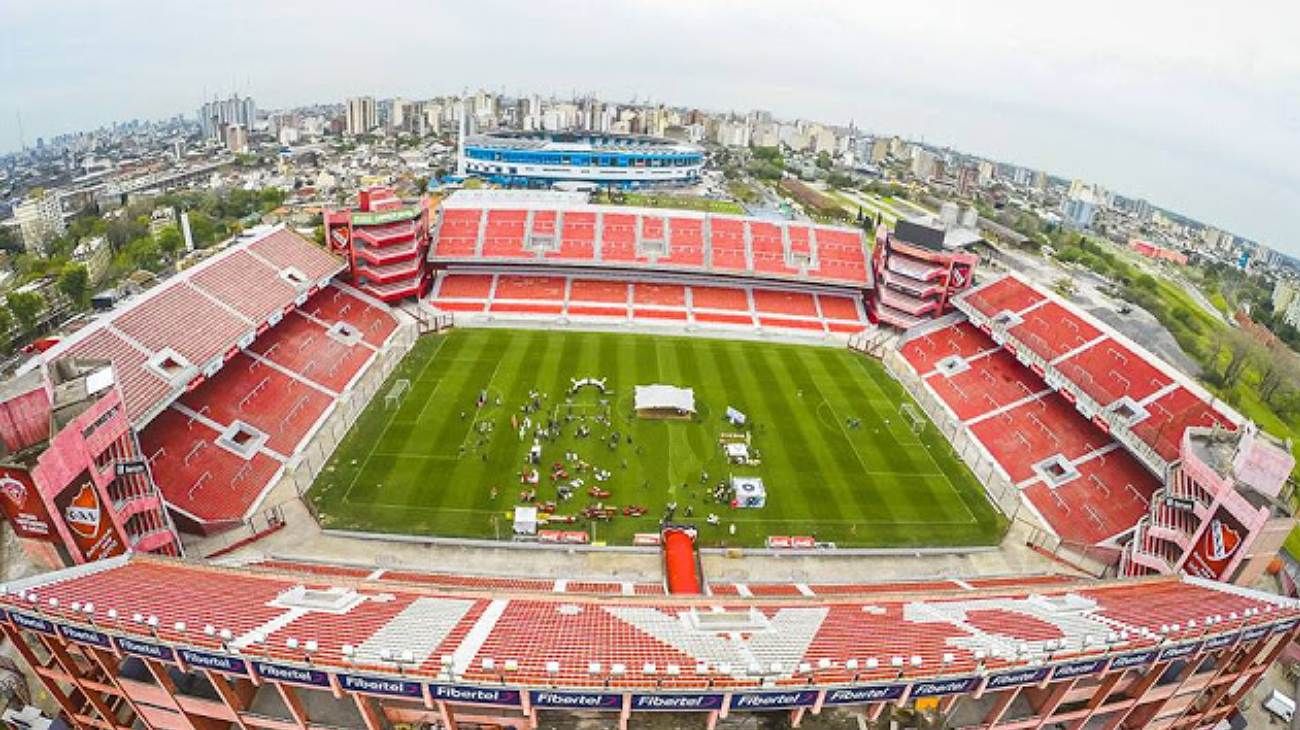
[
  {"x": 773, "y": 700},
  {"x": 145, "y": 649},
  {"x": 1216, "y": 548},
  {"x": 380, "y": 685},
  {"x": 577, "y": 700},
  {"x": 215, "y": 662},
  {"x": 677, "y": 702},
  {"x": 292, "y": 675},
  {"x": 864, "y": 695},
  {"x": 23, "y": 507},
  {"x": 87, "y": 520},
  {"x": 942, "y": 687},
  {"x": 474, "y": 695}
]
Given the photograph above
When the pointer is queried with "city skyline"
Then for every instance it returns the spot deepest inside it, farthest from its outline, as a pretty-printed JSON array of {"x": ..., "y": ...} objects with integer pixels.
[{"x": 1122, "y": 104}]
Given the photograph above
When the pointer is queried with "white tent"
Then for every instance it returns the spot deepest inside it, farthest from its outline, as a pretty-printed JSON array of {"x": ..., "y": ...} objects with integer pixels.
[
  {"x": 665, "y": 398},
  {"x": 525, "y": 520},
  {"x": 737, "y": 452}
]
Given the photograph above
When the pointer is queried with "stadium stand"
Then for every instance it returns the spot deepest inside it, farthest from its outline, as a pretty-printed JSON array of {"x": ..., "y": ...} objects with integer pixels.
[
  {"x": 308, "y": 349},
  {"x": 458, "y": 231},
  {"x": 219, "y": 408},
  {"x": 197, "y": 476},
  {"x": 282, "y": 406},
  {"x": 1076, "y": 476},
  {"x": 332, "y": 304},
  {"x": 524, "y": 640},
  {"x": 1145, "y": 403},
  {"x": 556, "y": 294},
  {"x": 152, "y": 341},
  {"x": 637, "y": 238}
]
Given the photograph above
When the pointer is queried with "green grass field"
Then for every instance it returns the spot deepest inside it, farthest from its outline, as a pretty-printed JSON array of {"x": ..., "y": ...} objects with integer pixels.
[{"x": 428, "y": 466}]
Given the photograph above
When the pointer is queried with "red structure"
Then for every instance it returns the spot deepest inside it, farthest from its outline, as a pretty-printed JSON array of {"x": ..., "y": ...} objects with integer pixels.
[
  {"x": 918, "y": 268},
  {"x": 1157, "y": 252},
  {"x": 681, "y": 563},
  {"x": 140, "y": 640},
  {"x": 386, "y": 242},
  {"x": 552, "y": 256},
  {"x": 1110, "y": 446},
  {"x": 83, "y": 493}
]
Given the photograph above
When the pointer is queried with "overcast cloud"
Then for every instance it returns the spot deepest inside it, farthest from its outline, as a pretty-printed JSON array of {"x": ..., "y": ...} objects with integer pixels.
[{"x": 1194, "y": 105}]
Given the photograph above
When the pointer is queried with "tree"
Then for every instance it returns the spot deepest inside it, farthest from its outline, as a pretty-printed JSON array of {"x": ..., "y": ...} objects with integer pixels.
[
  {"x": 143, "y": 253},
  {"x": 1241, "y": 351},
  {"x": 74, "y": 282},
  {"x": 6, "y": 331},
  {"x": 824, "y": 160},
  {"x": 26, "y": 307},
  {"x": 169, "y": 240},
  {"x": 202, "y": 228},
  {"x": 10, "y": 240}
]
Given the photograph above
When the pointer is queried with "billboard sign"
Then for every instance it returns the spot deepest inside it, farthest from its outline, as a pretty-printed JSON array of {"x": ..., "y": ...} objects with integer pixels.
[
  {"x": 457, "y": 694},
  {"x": 1017, "y": 678},
  {"x": 88, "y": 520},
  {"x": 773, "y": 700},
  {"x": 387, "y": 216},
  {"x": 380, "y": 685},
  {"x": 864, "y": 695},
  {"x": 215, "y": 662},
  {"x": 577, "y": 700},
  {"x": 1080, "y": 668},
  {"x": 292, "y": 675},
  {"x": 145, "y": 649},
  {"x": 85, "y": 636},
  {"x": 677, "y": 702},
  {"x": 23, "y": 621},
  {"x": 943, "y": 687},
  {"x": 23, "y": 506},
  {"x": 1216, "y": 548}
]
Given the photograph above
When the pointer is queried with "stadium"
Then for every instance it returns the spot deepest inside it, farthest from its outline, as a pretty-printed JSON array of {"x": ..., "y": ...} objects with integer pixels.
[
  {"x": 543, "y": 159},
  {"x": 614, "y": 461}
]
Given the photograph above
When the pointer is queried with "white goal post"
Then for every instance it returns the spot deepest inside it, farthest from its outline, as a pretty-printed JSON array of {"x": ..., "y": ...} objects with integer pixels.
[
  {"x": 395, "y": 394},
  {"x": 913, "y": 416}
]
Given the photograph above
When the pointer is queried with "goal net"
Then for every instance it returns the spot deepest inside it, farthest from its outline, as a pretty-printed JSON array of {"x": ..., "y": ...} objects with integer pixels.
[
  {"x": 913, "y": 417},
  {"x": 396, "y": 393}
]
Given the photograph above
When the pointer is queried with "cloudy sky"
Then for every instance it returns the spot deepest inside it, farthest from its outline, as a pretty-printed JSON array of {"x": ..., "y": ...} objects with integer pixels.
[{"x": 1194, "y": 105}]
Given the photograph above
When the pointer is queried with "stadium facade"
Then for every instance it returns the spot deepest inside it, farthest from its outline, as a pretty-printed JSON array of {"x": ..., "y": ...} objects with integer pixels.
[
  {"x": 543, "y": 159},
  {"x": 140, "y": 640},
  {"x": 386, "y": 242},
  {"x": 918, "y": 270}
]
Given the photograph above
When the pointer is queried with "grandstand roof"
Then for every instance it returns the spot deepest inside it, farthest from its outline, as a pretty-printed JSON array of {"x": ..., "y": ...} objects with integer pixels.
[
  {"x": 352, "y": 620},
  {"x": 162, "y": 340}
]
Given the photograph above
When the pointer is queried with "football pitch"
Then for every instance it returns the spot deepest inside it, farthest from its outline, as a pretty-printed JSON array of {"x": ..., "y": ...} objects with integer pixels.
[{"x": 451, "y": 456}]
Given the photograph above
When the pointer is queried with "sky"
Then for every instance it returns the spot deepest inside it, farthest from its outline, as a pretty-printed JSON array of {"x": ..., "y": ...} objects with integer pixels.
[{"x": 1193, "y": 105}]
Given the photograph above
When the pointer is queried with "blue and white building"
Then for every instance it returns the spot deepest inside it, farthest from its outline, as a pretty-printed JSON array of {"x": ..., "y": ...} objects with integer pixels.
[{"x": 543, "y": 159}]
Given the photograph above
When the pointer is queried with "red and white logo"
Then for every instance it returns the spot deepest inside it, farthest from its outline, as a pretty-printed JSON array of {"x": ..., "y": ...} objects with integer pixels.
[
  {"x": 14, "y": 491},
  {"x": 1221, "y": 541},
  {"x": 82, "y": 512}
]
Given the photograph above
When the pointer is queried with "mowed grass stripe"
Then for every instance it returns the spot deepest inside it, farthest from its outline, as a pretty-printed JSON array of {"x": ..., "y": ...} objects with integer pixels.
[
  {"x": 825, "y": 454},
  {"x": 925, "y": 494},
  {"x": 853, "y": 487},
  {"x": 802, "y": 450}
]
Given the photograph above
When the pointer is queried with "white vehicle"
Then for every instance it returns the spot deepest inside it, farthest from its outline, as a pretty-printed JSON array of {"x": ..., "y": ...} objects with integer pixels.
[{"x": 1280, "y": 705}]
